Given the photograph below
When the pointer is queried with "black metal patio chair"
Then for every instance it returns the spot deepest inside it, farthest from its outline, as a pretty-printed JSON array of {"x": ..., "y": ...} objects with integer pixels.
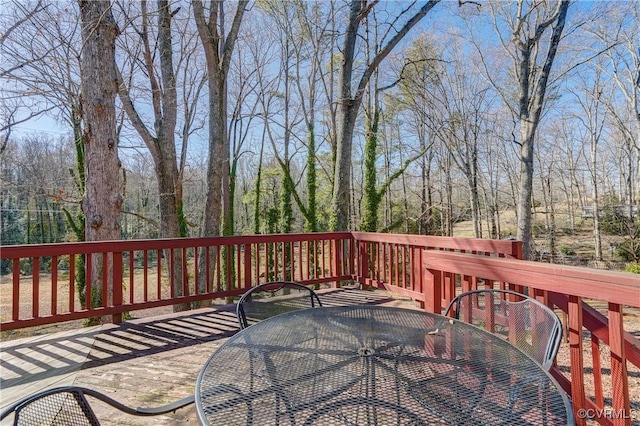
[
  {"x": 68, "y": 405},
  {"x": 269, "y": 299},
  {"x": 265, "y": 301},
  {"x": 525, "y": 322},
  {"x": 522, "y": 321}
]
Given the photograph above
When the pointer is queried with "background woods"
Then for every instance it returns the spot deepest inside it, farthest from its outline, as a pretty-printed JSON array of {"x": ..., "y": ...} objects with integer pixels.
[{"x": 505, "y": 119}]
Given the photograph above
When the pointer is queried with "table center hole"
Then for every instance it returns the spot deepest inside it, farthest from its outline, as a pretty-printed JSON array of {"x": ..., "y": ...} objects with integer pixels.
[{"x": 366, "y": 352}]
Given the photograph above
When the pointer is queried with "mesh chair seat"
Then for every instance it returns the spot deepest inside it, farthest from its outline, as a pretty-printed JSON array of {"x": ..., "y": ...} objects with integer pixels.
[
  {"x": 525, "y": 322},
  {"x": 69, "y": 406},
  {"x": 273, "y": 298}
]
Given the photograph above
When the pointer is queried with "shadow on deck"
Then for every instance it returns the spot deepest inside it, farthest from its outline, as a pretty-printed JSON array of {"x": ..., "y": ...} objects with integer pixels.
[{"x": 144, "y": 362}]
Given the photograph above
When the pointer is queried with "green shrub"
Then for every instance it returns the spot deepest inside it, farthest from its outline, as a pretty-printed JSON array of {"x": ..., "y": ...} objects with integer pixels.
[
  {"x": 566, "y": 251},
  {"x": 634, "y": 268}
]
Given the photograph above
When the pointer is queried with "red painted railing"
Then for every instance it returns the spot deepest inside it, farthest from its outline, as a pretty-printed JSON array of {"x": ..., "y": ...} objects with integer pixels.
[
  {"x": 395, "y": 262},
  {"x": 131, "y": 275},
  {"x": 141, "y": 274}
]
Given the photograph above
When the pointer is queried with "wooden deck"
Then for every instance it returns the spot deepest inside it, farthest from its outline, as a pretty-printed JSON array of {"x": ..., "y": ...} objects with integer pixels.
[{"x": 145, "y": 362}]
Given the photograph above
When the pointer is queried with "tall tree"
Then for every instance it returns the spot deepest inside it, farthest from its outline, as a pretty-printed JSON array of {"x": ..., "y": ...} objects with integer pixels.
[
  {"x": 303, "y": 34},
  {"x": 462, "y": 102},
  {"x": 535, "y": 32},
  {"x": 102, "y": 199},
  {"x": 351, "y": 96},
  {"x": 417, "y": 83},
  {"x": 218, "y": 50},
  {"x": 160, "y": 140},
  {"x": 624, "y": 69},
  {"x": 592, "y": 118}
]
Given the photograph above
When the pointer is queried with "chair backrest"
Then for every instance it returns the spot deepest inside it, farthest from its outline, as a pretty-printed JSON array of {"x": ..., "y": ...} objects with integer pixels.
[
  {"x": 525, "y": 322},
  {"x": 57, "y": 406},
  {"x": 273, "y": 298}
]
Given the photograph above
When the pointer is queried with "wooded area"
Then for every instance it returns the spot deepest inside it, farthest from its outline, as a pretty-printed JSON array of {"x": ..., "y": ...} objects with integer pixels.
[{"x": 287, "y": 116}]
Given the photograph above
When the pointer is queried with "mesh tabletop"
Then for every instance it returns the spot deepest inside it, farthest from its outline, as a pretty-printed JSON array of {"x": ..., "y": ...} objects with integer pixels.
[{"x": 372, "y": 365}]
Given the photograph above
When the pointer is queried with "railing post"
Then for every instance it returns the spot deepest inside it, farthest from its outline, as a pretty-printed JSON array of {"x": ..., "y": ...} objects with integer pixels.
[
  {"x": 516, "y": 249},
  {"x": 432, "y": 288},
  {"x": 619, "y": 377},
  {"x": 574, "y": 309},
  {"x": 117, "y": 285},
  {"x": 433, "y": 291}
]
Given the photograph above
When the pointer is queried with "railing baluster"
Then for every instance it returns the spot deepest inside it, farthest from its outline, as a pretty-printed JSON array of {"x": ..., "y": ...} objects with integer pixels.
[
  {"x": 258, "y": 257},
  {"x": 72, "y": 282},
  {"x": 238, "y": 269},
  {"x": 597, "y": 371},
  {"x": 207, "y": 269},
  {"x": 218, "y": 266},
  {"x": 35, "y": 288},
  {"x": 247, "y": 265},
  {"x": 159, "y": 272},
  {"x": 145, "y": 275},
  {"x": 403, "y": 265},
  {"x": 619, "y": 375},
  {"x": 131, "y": 276},
  {"x": 117, "y": 285},
  {"x": 308, "y": 259},
  {"x": 54, "y": 285},
  {"x": 183, "y": 269},
  {"x": 575, "y": 353},
  {"x": 104, "y": 297},
  {"x": 88, "y": 290},
  {"x": 15, "y": 296},
  {"x": 229, "y": 270}
]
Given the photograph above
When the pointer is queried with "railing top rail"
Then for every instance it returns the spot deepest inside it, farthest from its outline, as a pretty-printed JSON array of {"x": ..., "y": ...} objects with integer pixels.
[
  {"x": 609, "y": 286},
  {"x": 60, "y": 249},
  {"x": 511, "y": 247}
]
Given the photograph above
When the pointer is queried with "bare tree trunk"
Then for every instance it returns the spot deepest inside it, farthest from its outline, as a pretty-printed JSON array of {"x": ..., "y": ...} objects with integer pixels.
[
  {"x": 525, "y": 190},
  {"x": 549, "y": 211},
  {"x": 218, "y": 49},
  {"x": 448, "y": 218},
  {"x": 350, "y": 102},
  {"x": 474, "y": 198},
  {"x": 162, "y": 146},
  {"x": 531, "y": 99},
  {"x": 425, "y": 190},
  {"x": 102, "y": 199},
  {"x": 597, "y": 237}
]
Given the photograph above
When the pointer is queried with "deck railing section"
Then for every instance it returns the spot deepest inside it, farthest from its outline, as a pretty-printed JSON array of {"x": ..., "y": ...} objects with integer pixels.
[
  {"x": 395, "y": 262},
  {"x": 592, "y": 301},
  {"x": 43, "y": 287}
]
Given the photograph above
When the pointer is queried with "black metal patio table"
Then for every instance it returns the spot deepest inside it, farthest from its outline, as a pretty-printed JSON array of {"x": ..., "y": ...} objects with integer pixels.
[{"x": 374, "y": 365}]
